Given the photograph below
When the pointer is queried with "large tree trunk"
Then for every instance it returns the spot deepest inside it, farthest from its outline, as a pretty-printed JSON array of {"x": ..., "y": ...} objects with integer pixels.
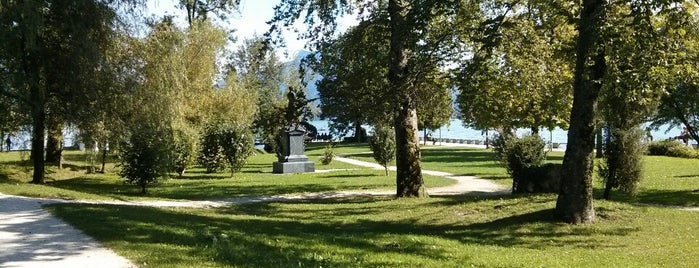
[
  {"x": 358, "y": 132},
  {"x": 574, "y": 204},
  {"x": 599, "y": 149},
  {"x": 54, "y": 141},
  {"x": 409, "y": 179},
  {"x": 38, "y": 128}
]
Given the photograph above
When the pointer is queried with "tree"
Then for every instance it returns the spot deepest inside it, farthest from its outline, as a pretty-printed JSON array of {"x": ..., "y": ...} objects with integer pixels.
[
  {"x": 147, "y": 155},
  {"x": 632, "y": 85},
  {"x": 519, "y": 68},
  {"x": 679, "y": 105},
  {"x": 574, "y": 204},
  {"x": 383, "y": 145},
  {"x": 50, "y": 49},
  {"x": 198, "y": 10},
  {"x": 411, "y": 30},
  {"x": 353, "y": 87}
]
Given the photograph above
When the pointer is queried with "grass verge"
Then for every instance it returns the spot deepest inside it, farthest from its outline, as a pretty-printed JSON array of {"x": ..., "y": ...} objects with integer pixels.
[{"x": 379, "y": 232}]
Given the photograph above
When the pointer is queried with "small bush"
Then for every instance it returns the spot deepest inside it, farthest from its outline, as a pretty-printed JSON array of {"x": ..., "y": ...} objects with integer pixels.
[
  {"x": 383, "y": 145},
  {"x": 328, "y": 154},
  {"x": 185, "y": 151},
  {"x": 223, "y": 146},
  {"x": 520, "y": 156},
  {"x": 622, "y": 167},
  {"x": 147, "y": 156},
  {"x": 672, "y": 148},
  {"x": 211, "y": 155},
  {"x": 238, "y": 145}
]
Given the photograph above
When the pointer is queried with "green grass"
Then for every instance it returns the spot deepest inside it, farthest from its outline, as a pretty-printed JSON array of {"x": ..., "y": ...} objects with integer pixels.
[
  {"x": 459, "y": 231},
  {"x": 383, "y": 232},
  {"x": 255, "y": 179},
  {"x": 460, "y": 161}
]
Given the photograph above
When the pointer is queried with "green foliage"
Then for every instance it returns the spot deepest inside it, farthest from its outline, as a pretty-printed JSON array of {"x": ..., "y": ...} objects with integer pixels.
[
  {"x": 211, "y": 154},
  {"x": 237, "y": 144},
  {"x": 185, "y": 147},
  {"x": 146, "y": 156},
  {"x": 383, "y": 145},
  {"x": 622, "y": 167},
  {"x": 328, "y": 154},
  {"x": 521, "y": 157},
  {"x": 224, "y": 146},
  {"x": 520, "y": 71},
  {"x": 672, "y": 148}
]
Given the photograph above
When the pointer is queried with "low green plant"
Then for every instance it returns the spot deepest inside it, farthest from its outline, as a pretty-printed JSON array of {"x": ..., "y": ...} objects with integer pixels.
[
  {"x": 520, "y": 156},
  {"x": 622, "y": 167},
  {"x": 383, "y": 145},
  {"x": 328, "y": 154},
  {"x": 146, "y": 156},
  {"x": 672, "y": 148},
  {"x": 237, "y": 144},
  {"x": 211, "y": 155},
  {"x": 185, "y": 151}
]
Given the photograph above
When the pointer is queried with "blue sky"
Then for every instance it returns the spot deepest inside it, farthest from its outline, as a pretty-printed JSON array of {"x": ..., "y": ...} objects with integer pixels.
[{"x": 248, "y": 21}]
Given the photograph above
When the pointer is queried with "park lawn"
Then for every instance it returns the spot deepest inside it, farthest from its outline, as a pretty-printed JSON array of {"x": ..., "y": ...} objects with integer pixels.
[
  {"x": 385, "y": 232},
  {"x": 255, "y": 179}
]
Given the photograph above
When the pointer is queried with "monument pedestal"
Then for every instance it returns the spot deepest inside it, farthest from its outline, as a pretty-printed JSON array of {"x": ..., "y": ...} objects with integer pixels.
[
  {"x": 294, "y": 161},
  {"x": 293, "y": 167}
]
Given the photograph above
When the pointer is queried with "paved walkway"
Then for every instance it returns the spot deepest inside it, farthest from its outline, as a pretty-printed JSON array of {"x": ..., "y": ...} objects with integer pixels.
[{"x": 32, "y": 237}]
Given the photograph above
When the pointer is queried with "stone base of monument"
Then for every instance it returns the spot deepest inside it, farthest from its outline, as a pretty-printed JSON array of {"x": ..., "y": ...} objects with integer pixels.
[{"x": 293, "y": 167}]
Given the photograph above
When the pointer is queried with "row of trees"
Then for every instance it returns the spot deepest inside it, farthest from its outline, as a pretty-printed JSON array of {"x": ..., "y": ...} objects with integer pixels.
[
  {"x": 514, "y": 64},
  {"x": 158, "y": 96}
]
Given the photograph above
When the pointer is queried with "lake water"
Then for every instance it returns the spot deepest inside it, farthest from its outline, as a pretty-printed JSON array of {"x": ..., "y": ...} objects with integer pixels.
[{"x": 454, "y": 130}]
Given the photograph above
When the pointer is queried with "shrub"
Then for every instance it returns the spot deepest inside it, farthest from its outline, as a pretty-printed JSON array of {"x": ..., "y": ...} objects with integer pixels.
[
  {"x": 383, "y": 145},
  {"x": 224, "y": 146},
  {"x": 185, "y": 151},
  {"x": 211, "y": 155},
  {"x": 622, "y": 166},
  {"x": 146, "y": 156},
  {"x": 672, "y": 148},
  {"x": 328, "y": 154},
  {"x": 237, "y": 145},
  {"x": 520, "y": 156}
]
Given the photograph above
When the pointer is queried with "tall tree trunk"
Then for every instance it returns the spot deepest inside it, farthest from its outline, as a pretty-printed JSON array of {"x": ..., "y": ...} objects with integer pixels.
[
  {"x": 574, "y": 204},
  {"x": 409, "y": 179},
  {"x": 54, "y": 141},
  {"x": 104, "y": 158},
  {"x": 358, "y": 133},
  {"x": 37, "y": 97},
  {"x": 599, "y": 149}
]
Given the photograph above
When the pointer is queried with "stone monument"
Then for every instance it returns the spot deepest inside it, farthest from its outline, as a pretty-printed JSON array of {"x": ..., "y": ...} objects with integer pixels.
[{"x": 292, "y": 158}]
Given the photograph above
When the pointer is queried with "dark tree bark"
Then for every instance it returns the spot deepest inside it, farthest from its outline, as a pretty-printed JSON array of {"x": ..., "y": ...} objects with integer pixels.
[
  {"x": 599, "y": 150},
  {"x": 104, "y": 159},
  {"x": 409, "y": 179},
  {"x": 38, "y": 111},
  {"x": 54, "y": 141},
  {"x": 574, "y": 204}
]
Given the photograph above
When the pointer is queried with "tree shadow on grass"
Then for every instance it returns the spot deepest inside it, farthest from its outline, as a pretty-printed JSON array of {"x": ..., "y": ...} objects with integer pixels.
[
  {"x": 240, "y": 237},
  {"x": 669, "y": 197},
  {"x": 187, "y": 191}
]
